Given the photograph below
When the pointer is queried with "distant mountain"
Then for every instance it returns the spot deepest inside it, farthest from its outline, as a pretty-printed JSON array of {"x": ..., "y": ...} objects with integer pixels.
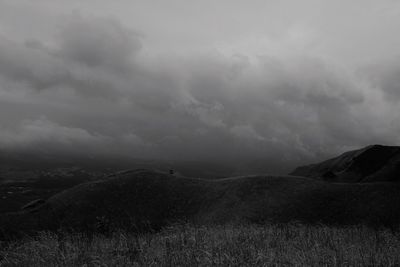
[
  {"x": 16, "y": 165},
  {"x": 142, "y": 199},
  {"x": 374, "y": 163}
]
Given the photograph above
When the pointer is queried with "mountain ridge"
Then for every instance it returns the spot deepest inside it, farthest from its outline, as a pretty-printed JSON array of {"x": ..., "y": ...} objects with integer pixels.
[{"x": 375, "y": 163}]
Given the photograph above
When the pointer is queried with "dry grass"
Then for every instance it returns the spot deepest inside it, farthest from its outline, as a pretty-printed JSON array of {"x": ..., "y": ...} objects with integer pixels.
[{"x": 185, "y": 245}]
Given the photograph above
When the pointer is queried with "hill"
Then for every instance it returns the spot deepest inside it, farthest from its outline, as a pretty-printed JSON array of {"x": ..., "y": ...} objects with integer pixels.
[
  {"x": 374, "y": 163},
  {"x": 143, "y": 200},
  {"x": 29, "y": 176}
]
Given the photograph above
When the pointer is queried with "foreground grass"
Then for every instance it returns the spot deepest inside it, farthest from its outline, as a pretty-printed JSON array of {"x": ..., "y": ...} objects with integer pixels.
[{"x": 185, "y": 245}]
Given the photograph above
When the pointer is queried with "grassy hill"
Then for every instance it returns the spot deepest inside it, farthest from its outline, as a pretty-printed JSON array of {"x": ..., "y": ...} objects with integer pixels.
[
  {"x": 374, "y": 163},
  {"x": 143, "y": 200}
]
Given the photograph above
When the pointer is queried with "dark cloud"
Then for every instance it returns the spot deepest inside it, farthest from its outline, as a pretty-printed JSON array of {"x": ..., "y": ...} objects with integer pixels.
[{"x": 93, "y": 89}]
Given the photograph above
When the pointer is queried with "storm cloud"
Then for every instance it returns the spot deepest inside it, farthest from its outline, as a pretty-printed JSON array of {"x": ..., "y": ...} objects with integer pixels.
[{"x": 92, "y": 84}]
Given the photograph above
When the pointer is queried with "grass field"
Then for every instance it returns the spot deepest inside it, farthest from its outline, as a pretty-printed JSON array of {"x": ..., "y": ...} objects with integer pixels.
[
  {"x": 185, "y": 245},
  {"x": 143, "y": 200}
]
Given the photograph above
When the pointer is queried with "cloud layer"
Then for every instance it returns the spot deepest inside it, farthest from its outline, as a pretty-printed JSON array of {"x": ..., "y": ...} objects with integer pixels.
[{"x": 95, "y": 88}]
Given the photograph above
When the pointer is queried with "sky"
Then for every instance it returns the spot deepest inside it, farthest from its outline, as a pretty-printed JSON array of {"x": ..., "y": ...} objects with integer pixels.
[{"x": 281, "y": 82}]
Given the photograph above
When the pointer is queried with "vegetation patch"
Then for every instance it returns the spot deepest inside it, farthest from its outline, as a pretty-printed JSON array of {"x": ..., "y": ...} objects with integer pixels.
[{"x": 228, "y": 245}]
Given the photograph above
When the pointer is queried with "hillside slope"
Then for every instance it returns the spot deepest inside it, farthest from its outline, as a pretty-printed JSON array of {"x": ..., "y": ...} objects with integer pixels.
[
  {"x": 142, "y": 200},
  {"x": 371, "y": 164}
]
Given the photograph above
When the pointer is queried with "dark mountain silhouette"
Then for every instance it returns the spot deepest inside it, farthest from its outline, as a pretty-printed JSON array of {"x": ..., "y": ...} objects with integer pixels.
[
  {"x": 143, "y": 200},
  {"x": 374, "y": 163}
]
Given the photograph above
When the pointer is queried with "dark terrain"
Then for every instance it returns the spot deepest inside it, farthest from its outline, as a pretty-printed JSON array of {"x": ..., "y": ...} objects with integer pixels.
[
  {"x": 362, "y": 189},
  {"x": 25, "y": 177},
  {"x": 146, "y": 200},
  {"x": 374, "y": 163}
]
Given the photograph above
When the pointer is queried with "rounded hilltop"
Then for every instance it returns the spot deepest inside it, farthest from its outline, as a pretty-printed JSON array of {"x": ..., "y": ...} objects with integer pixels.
[{"x": 143, "y": 199}]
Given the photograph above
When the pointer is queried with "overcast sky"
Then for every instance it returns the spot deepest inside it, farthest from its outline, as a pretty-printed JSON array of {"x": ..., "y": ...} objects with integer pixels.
[{"x": 284, "y": 82}]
